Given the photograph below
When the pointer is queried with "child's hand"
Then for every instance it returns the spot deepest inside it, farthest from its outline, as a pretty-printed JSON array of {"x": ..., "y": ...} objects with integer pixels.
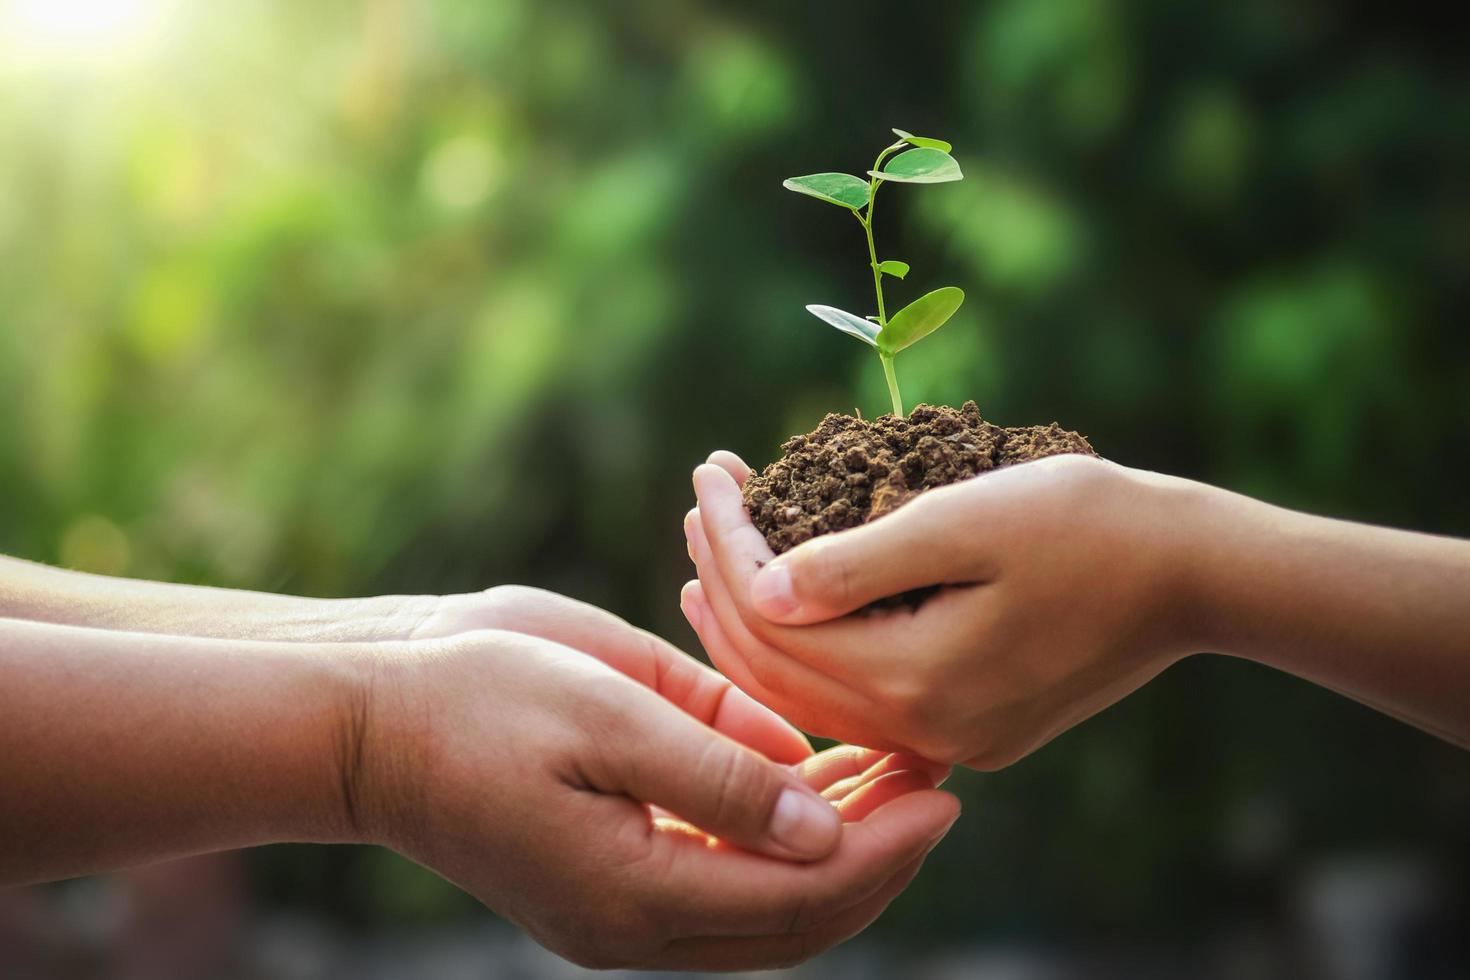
[{"x": 1064, "y": 593}]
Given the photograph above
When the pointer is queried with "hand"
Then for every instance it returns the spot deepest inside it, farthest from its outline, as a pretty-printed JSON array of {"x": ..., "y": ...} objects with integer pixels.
[
  {"x": 1062, "y": 593},
  {"x": 644, "y": 657},
  {"x": 543, "y": 781},
  {"x": 51, "y": 595}
]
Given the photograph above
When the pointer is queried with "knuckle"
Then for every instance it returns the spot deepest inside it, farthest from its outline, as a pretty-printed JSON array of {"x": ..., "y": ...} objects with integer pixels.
[
  {"x": 510, "y": 597},
  {"x": 742, "y": 790},
  {"x": 825, "y": 574},
  {"x": 601, "y": 714},
  {"x": 825, "y": 908},
  {"x": 805, "y": 912},
  {"x": 817, "y": 906},
  {"x": 903, "y": 692}
]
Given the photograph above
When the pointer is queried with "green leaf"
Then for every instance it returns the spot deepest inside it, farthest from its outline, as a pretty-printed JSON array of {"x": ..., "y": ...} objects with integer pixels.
[
  {"x": 928, "y": 141},
  {"x": 847, "y": 323},
  {"x": 894, "y": 268},
  {"x": 919, "y": 319},
  {"x": 921, "y": 165},
  {"x": 843, "y": 189}
]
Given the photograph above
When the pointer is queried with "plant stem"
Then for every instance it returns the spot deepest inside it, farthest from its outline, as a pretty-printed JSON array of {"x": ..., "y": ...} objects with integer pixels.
[
  {"x": 877, "y": 273},
  {"x": 892, "y": 380},
  {"x": 866, "y": 220}
]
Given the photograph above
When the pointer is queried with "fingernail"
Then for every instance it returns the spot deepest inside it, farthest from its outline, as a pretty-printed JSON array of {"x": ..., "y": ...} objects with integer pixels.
[
  {"x": 771, "y": 590},
  {"x": 805, "y": 824},
  {"x": 689, "y": 520}
]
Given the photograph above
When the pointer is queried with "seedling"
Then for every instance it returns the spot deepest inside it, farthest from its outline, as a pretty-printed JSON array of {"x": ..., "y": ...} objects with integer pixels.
[{"x": 925, "y": 161}]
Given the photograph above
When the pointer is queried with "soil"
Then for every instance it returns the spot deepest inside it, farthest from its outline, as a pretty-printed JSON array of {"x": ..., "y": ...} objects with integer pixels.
[{"x": 849, "y": 471}]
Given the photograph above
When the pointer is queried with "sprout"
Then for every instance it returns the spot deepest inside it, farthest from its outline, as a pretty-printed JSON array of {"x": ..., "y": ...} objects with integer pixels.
[{"x": 925, "y": 161}]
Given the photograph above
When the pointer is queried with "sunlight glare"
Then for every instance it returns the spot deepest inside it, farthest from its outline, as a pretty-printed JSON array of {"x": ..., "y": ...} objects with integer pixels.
[{"x": 79, "y": 28}]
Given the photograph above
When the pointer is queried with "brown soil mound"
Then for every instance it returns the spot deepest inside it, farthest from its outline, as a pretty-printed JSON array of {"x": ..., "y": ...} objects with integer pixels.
[{"x": 850, "y": 470}]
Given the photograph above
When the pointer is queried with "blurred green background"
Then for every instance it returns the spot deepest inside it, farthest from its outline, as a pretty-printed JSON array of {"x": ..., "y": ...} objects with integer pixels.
[{"x": 344, "y": 298}]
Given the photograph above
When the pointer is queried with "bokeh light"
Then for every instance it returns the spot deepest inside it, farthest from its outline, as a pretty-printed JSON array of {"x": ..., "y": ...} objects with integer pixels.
[{"x": 80, "y": 31}]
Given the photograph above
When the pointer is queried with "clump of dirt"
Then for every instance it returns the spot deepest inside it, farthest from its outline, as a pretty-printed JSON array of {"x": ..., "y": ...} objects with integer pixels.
[{"x": 849, "y": 471}]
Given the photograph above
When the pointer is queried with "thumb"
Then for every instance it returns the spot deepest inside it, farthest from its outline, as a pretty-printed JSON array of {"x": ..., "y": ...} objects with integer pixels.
[
  {"x": 672, "y": 761},
  {"x": 920, "y": 544}
]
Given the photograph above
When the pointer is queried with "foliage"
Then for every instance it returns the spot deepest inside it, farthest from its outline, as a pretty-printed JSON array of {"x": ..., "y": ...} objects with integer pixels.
[{"x": 927, "y": 162}]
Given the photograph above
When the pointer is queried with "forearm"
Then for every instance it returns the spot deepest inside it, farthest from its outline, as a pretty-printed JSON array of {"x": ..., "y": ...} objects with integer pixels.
[
  {"x": 40, "y": 593},
  {"x": 1379, "y": 615},
  {"x": 123, "y": 748}
]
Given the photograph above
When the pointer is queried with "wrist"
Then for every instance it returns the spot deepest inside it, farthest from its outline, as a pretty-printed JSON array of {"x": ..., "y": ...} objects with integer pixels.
[
  {"x": 314, "y": 740},
  {"x": 1221, "y": 559},
  {"x": 1188, "y": 525},
  {"x": 385, "y": 722}
]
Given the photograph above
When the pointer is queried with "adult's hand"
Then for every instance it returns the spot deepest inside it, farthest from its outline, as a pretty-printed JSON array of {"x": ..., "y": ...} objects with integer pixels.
[
  {"x": 536, "y": 776},
  {"x": 546, "y": 783},
  {"x": 40, "y": 593},
  {"x": 653, "y": 662}
]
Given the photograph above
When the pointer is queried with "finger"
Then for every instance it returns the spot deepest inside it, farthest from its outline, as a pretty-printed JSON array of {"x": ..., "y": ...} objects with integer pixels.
[
  {"x": 731, "y": 464},
  {"x": 722, "y": 512},
  {"x": 838, "y": 763},
  {"x": 762, "y": 661},
  {"x": 738, "y": 552},
  {"x": 752, "y": 724},
  {"x": 886, "y": 788},
  {"x": 734, "y": 893},
  {"x": 659, "y": 755},
  {"x": 806, "y": 695},
  {"x": 776, "y": 951},
  {"x": 851, "y": 765},
  {"x": 853, "y": 799},
  {"x": 842, "y": 717},
  {"x": 889, "y": 776},
  {"x": 657, "y": 664},
  {"x": 834, "y": 574},
  {"x": 722, "y": 653},
  {"x": 937, "y": 772},
  {"x": 829, "y": 576}
]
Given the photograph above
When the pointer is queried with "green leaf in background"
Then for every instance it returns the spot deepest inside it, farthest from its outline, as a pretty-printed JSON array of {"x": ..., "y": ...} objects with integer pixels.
[
  {"x": 919, "y": 319},
  {"x": 922, "y": 165},
  {"x": 943, "y": 146},
  {"x": 843, "y": 189},
  {"x": 847, "y": 323},
  {"x": 894, "y": 268}
]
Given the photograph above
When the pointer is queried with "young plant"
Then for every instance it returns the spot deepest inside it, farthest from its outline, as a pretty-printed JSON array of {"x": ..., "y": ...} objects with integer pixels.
[{"x": 925, "y": 161}]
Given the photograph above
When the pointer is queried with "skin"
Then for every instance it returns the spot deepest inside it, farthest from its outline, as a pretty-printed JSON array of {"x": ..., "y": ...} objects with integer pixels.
[
  {"x": 531, "y": 749},
  {"x": 1068, "y": 583}
]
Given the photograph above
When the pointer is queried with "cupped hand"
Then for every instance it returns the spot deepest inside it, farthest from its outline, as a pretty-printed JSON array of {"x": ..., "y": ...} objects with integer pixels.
[
  {"x": 601, "y": 815},
  {"x": 639, "y": 654},
  {"x": 1061, "y": 592}
]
